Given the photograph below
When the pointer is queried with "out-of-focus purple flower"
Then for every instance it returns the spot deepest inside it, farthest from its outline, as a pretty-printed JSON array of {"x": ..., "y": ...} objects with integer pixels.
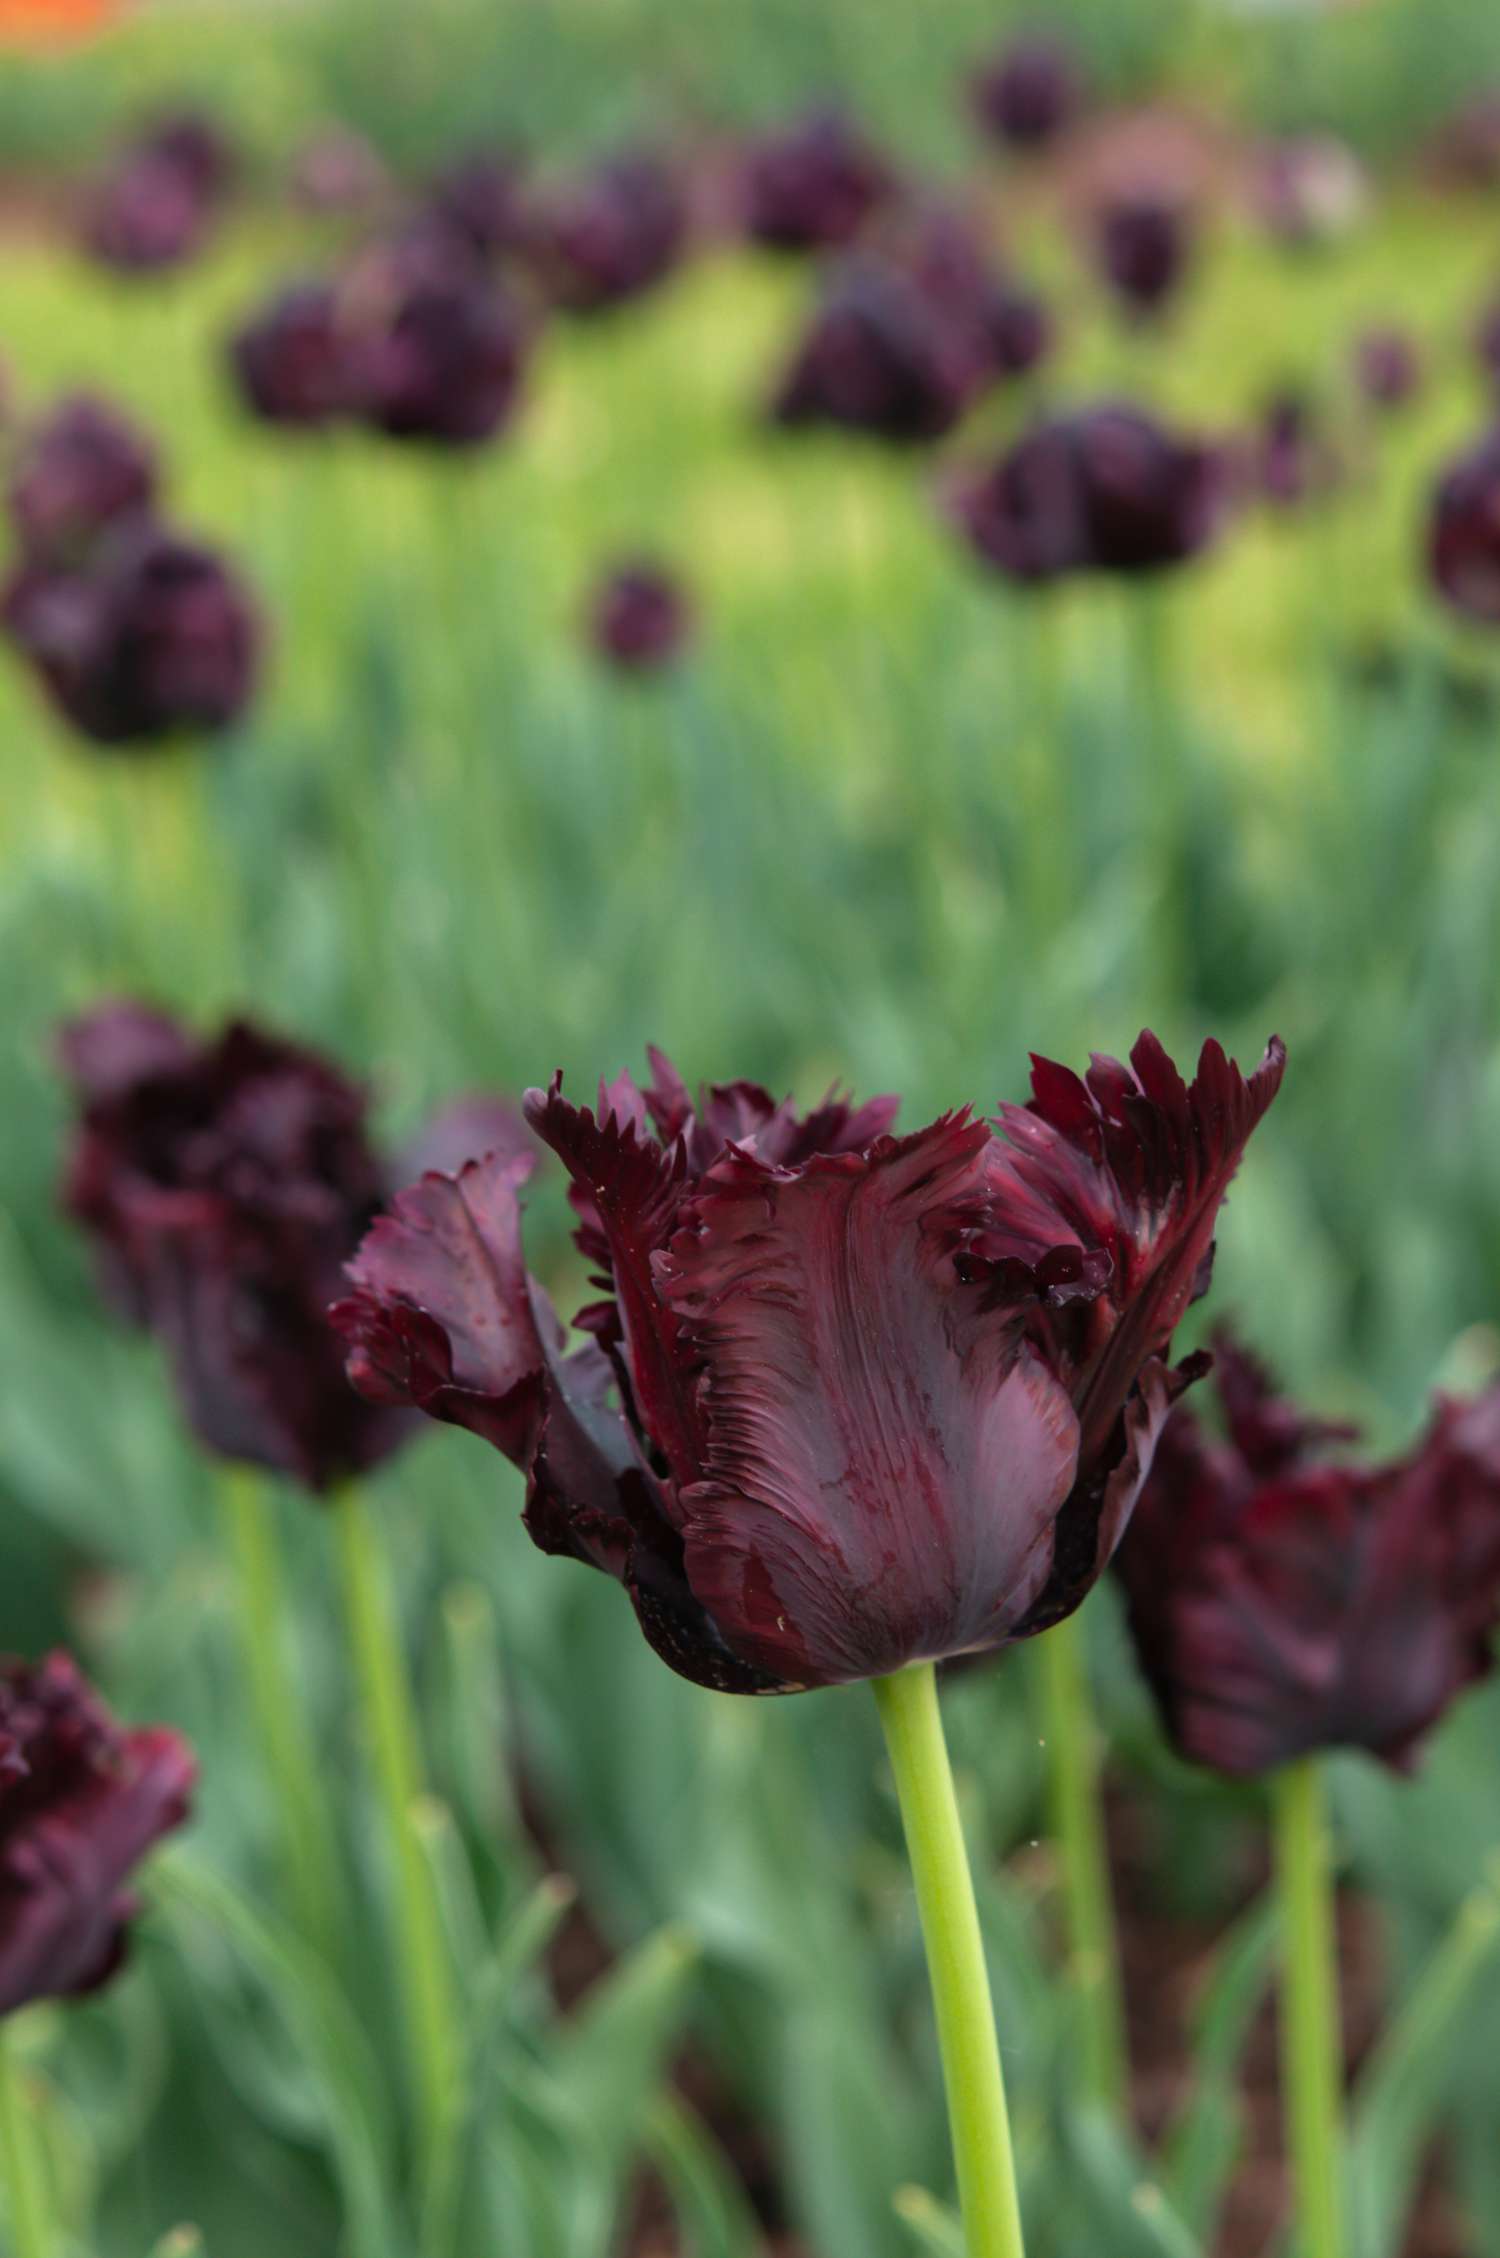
[
  {"x": 1028, "y": 93},
  {"x": 609, "y": 235},
  {"x": 438, "y": 347},
  {"x": 1487, "y": 344},
  {"x": 197, "y": 146},
  {"x": 145, "y": 215},
  {"x": 851, "y": 1400},
  {"x": 1019, "y": 329},
  {"x": 1282, "y": 1605},
  {"x": 1387, "y": 365},
  {"x": 812, "y": 186},
  {"x": 152, "y": 635},
  {"x": 1142, "y": 242},
  {"x": 81, "y": 1804},
  {"x": 1310, "y": 190},
  {"x": 477, "y": 200},
  {"x": 83, "y": 467},
  {"x": 1466, "y": 147},
  {"x": 1463, "y": 535},
  {"x": 639, "y": 618},
  {"x": 294, "y": 359},
  {"x": 1292, "y": 458},
  {"x": 473, "y": 1127},
  {"x": 1103, "y": 490},
  {"x": 338, "y": 172},
  {"x": 883, "y": 355}
]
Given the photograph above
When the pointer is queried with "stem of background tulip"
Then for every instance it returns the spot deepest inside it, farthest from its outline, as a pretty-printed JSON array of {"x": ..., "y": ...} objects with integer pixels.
[
  {"x": 30, "y": 2212},
  {"x": 424, "y": 1971},
  {"x": 1163, "y": 803},
  {"x": 302, "y": 1808},
  {"x": 1311, "y": 2043},
  {"x": 1076, "y": 1821},
  {"x": 977, "y": 2115}
]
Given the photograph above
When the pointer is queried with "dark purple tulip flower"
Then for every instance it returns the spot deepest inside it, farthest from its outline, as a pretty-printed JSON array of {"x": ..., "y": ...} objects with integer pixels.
[
  {"x": 1466, "y": 147},
  {"x": 609, "y": 236},
  {"x": 1029, "y": 93},
  {"x": 152, "y": 636},
  {"x": 81, "y": 1804},
  {"x": 85, "y": 466},
  {"x": 1142, "y": 243},
  {"x": 294, "y": 360},
  {"x": 198, "y": 148},
  {"x": 145, "y": 215},
  {"x": 849, "y": 1401},
  {"x": 1019, "y": 330},
  {"x": 1463, "y": 537},
  {"x": 438, "y": 347},
  {"x": 477, "y": 200},
  {"x": 1105, "y": 490},
  {"x": 1282, "y": 1605},
  {"x": 1487, "y": 344},
  {"x": 639, "y": 618},
  {"x": 1387, "y": 366},
  {"x": 1292, "y": 458},
  {"x": 882, "y": 356},
  {"x": 812, "y": 186}
]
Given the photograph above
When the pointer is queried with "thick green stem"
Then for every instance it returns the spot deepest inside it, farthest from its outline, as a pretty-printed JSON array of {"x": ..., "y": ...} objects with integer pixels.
[
  {"x": 308, "y": 1853},
  {"x": 1076, "y": 1820},
  {"x": 1311, "y": 2042},
  {"x": 977, "y": 2115},
  {"x": 32, "y": 2229},
  {"x": 424, "y": 1969}
]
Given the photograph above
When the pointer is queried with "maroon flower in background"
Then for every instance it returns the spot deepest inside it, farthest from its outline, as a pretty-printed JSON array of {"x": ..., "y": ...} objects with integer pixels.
[
  {"x": 608, "y": 236},
  {"x": 1282, "y": 1605},
  {"x": 437, "y": 348},
  {"x": 884, "y": 355},
  {"x": 155, "y": 205},
  {"x": 293, "y": 360},
  {"x": 1466, "y": 148},
  {"x": 1463, "y": 538},
  {"x": 1487, "y": 344},
  {"x": 198, "y": 148},
  {"x": 1103, "y": 490},
  {"x": 1292, "y": 458},
  {"x": 1387, "y": 366},
  {"x": 639, "y": 618},
  {"x": 152, "y": 635},
  {"x": 81, "y": 1803},
  {"x": 337, "y": 172},
  {"x": 1142, "y": 242},
  {"x": 812, "y": 186},
  {"x": 850, "y": 1400},
  {"x": 477, "y": 201},
  {"x": 85, "y": 466},
  {"x": 1018, "y": 329},
  {"x": 1029, "y": 93}
]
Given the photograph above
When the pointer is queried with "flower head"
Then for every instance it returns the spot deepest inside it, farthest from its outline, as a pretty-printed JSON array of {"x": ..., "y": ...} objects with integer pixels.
[
  {"x": 848, "y": 1400},
  {"x": 1104, "y": 490},
  {"x": 1142, "y": 243},
  {"x": 1387, "y": 365},
  {"x": 294, "y": 360},
  {"x": 812, "y": 186},
  {"x": 337, "y": 171},
  {"x": 477, "y": 200},
  {"x": 437, "y": 348},
  {"x": 81, "y": 1803},
  {"x": 883, "y": 355},
  {"x": 639, "y": 618},
  {"x": 83, "y": 467},
  {"x": 1281, "y": 1604},
  {"x": 154, "y": 206},
  {"x": 1463, "y": 533},
  {"x": 1029, "y": 93},
  {"x": 1292, "y": 458},
  {"x": 609, "y": 235}
]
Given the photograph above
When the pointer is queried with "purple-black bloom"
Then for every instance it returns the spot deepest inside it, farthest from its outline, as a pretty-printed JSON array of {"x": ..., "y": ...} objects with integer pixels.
[
  {"x": 849, "y": 1400},
  {"x": 1292, "y": 458},
  {"x": 1142, "y": 243},
  {"x": 1387, "y": 365},
  {"x": 83, "y": 467},
  {"x": 477, "y": 201},
  {"x": 1282, "y": 1604},
  {"x": 437, "y": 347},
  {"x": 609, "y": 235},
  {"x": 1028, "y": 93},
  {"x": 639, "y": 617},
  {"x": 81, "y": 1803},
  {"x": 812, "y": 186},
  {"x": 882, "y": 355},
  {"x": 1463, "y": 533},
  {"x": 294, "y": 360}
]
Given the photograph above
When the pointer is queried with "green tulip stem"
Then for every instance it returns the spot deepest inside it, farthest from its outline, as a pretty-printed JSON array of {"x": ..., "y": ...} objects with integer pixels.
[
  {"x": 32, "y": 2230},
  {"x": 1311, "y": 2042}
]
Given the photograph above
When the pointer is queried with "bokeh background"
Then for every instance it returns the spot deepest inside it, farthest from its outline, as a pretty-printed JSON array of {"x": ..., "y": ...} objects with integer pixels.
[{"x": 885, "y": 820}]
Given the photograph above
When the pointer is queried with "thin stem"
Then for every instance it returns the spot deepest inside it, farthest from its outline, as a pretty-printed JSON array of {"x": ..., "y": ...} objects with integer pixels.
[
  {"x": 1076, "y": 1821},
  {"x": 1311, "y": 2042},
  {"x": 423, "y": 1967},
  {"x": 1165, "y": 825},
  {"x": 32, "y": 2229},
  {"x": 308, "y": 1853},
  {"x": 977, "y": 2115}
]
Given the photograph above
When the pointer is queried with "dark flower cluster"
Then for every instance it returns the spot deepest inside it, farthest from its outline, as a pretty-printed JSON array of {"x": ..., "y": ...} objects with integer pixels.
[
  {"x": 1028, "y": 94},
  {"x": 81, "y": 1803},
  {"x": 1142, "y": 242},
  {"x": 135, "y": 632},
  {"x": 223, "y": 1184},
  {"x": 813, "y": 185},
  {"x": 1282, "y": 1604},
  {"x": 599, "y": 240},
  {"x": 849, "y": 1400},
  {"x": 639, "y": 617},
  {"x": 1105, "y": 490},
  {"x": 157, "y": 203}
]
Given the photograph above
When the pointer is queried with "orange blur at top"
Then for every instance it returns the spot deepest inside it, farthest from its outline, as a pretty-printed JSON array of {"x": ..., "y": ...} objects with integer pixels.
[{"x": 53, "y": 23}]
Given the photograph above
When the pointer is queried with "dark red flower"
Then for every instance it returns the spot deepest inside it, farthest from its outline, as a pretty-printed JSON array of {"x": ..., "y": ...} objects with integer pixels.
[
  {"x": 1487, "y": 344},
  {"x": 639, "y": 618},
  {"x": 812, "y": 186},
  {"x": 83, "y": 467},
  {"x": 1463, "y": 537},
  {"x": 81, "y": 1803},
  {"x": 1292, "y": 458},
  {"x": 609, "y": 235},
  {"x": 1103, "y": 490},
  {"x": 437, "y": 347},
  {"x": 1028, "y": 93},
  {"x": 1282, "y": 1605},
  {"x": 146, "y": 215},
  {"x": 1466, "y": 147},
  {"x": 196, "y": 145},
  {"x": 477, "y": 200},
  {"x": 151, "y": 636},
  {"x": 294, "y": 359},
  {"x": 849, "y": 1400},
  {"x": 1142, "y": 242},
  {"x": 883, "y": 356},
  {"x": 1019, "y": 330},
  {"x": 1387, "y": 365}
]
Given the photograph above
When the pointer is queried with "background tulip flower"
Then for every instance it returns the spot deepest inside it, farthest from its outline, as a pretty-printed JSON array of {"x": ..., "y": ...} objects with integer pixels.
[
  {"x": 882, "y": 356},
  {"x": 1292, "y": 458},
  {"x": 1463, "y": 533},
  {"x": 1282, "y": 1605},
  {"x": 1029, "y": 93},
  {"x": 1142, "y": 243},
  {"x": 83, "y": 467},
  {"x": 639, "y": 618},
  {"x": 477, "y": 201},
  {"x": 437, "y": 347},
  {"x": 337, "y": 171},
  {"x": 608, "y": 236},
  {"x": 812, "y": 186},
  {"x": 294, "y": 360},
  {"x": 1387, "y": 366},
  {"x": 81, "y": 1803},
  {"x": 852, "y": 1401},
  {"x": 151, "y": 636}
]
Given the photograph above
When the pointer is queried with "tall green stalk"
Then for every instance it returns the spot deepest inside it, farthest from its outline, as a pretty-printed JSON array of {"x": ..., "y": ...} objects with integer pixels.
[
  {"x": 1076, "y": 1822},
  {"x": 33, "y": 2230},
  {"x": 307, "y": 1847},
  {"x": 1311, "y": 2044},
  {"x": 424, "y": 1968},
  {"x": 975, "y": 2085}
]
